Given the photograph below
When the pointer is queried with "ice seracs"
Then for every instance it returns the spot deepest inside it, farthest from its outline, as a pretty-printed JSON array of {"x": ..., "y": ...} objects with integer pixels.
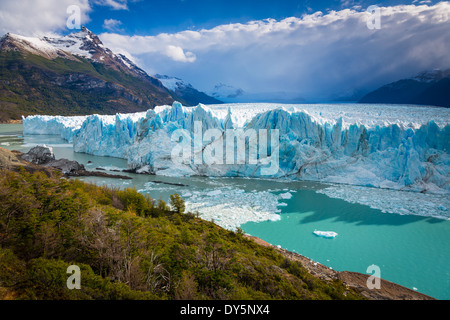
[{"x": 382, "y": 146}]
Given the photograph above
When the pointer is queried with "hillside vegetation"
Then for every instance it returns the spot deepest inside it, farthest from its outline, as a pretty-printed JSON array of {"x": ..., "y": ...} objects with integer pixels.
[{"x": 129, "y": 246}]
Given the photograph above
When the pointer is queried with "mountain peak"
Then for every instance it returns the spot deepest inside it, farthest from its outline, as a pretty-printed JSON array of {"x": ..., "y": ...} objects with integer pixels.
[
  {"x": 430, "y": 88},
  {"x": 87, "y": 44},
  {"x": 15, "y": 42},
  {"x": 432, "y": 75},
  {"x": 186, "y": 91},
  {"x": 83, "y": 42}
]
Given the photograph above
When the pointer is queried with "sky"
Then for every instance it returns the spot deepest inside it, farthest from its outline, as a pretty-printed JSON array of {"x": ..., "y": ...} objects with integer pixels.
[{"x": 303, "y": 51}]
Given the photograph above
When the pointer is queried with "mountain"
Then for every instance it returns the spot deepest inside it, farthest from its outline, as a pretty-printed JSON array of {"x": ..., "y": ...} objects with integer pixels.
[
  {"x": 426, "y": 88},
  {"x": 72, "y": 75},
  {"x": 185, "y": 91}
]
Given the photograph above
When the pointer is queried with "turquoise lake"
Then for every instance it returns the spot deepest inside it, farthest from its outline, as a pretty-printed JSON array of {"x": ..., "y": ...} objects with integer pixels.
[{"x": 410, "y": 250}]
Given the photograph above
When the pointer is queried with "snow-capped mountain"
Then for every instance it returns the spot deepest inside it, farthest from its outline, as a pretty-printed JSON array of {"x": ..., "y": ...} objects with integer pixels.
[
  {"x": 72, "y": 74},
  {"x": 86, "y": 44},
  {"x": 36, "y": 46},
  {"x": 186, "y": 91},
  {"x": 426, "y": 88}
]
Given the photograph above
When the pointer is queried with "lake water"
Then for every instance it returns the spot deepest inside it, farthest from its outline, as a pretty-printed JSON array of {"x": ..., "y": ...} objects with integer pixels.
[{"x": 410, "y": 250}]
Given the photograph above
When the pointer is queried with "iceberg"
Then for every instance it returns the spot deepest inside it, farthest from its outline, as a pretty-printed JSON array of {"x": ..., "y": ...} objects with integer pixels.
[
  {"x": 286, "y": 195},
  {"x": 325, "y": 234},
  {"x": 383, "y": 146}
]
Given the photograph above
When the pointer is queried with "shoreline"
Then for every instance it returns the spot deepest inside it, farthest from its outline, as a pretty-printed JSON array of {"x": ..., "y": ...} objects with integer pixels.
[
  {"x": 14, "y": 159},
  {"x": 388, "y": 290},
  {"x": 11, "y": 122}
]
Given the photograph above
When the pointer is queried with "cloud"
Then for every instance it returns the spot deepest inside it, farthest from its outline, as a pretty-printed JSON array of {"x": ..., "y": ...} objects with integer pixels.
[
  {"x": 113, "y": 4},
  {"x": 317, "y": 56},
  {"x": 178, "y": 54},
  {"x": 37, "y": 17},
  {"x": 112, "y": 25}
]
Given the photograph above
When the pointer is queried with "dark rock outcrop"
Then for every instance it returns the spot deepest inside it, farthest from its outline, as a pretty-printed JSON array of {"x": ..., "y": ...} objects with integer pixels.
[
  {"x": 39, "y": 155},
  {"x": 43, "y": 156}
]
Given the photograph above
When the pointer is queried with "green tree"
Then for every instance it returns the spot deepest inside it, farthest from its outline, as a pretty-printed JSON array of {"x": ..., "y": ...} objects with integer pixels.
[{"x": 177, "y": 203}]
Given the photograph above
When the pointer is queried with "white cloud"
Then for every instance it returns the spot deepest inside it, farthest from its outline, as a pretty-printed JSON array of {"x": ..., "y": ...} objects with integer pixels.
[
  {"x": 112, "y": 25},
  {"x": 178, "y": 54},
  {"x": 317, "y": 56},
  {"x": 113, "y": 4},
  {"x": 37, "y": 17}
]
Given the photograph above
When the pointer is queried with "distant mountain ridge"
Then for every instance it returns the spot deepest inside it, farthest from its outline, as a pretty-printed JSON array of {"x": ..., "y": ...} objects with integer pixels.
[
  {"x": 186, "y": 91},
  {"x": 72, "y": 75},
  {"x": 426, "y": 88}
]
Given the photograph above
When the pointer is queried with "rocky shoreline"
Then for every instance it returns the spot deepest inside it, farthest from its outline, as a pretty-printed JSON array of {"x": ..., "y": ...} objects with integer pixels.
[
  {"x": 11, "y": 122},
  {"x": 41, "y": 158},
  {"x": 388, "y": 290}
]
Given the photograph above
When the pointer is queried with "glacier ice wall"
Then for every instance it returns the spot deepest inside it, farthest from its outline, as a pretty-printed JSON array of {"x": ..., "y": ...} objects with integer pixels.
[
  {"x": 52, "y": 125},
  {"x": 385, "y": 146}
]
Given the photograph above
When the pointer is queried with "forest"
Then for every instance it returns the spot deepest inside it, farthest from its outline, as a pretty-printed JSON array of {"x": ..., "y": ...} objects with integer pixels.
[{"x": 130, "y": 246}]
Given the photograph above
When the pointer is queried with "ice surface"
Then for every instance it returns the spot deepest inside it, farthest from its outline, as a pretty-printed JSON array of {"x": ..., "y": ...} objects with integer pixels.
[
  {"x": 231, "y": 207},
  {"x": 383, "y": 146},
  {"x": 393, "y": 201}
]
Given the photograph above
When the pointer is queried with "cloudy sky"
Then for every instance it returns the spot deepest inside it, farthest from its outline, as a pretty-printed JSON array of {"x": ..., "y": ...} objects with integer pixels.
[{"x": 311, "y": 50}]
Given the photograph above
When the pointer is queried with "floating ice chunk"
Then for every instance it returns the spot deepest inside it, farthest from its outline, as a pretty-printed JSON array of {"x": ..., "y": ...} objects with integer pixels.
[
  {"x": 144, "y": 169},
  {"x": 286, "y": 195},
  {"x": 325, "y": 234},
  {"x": 231, "y": 208}
]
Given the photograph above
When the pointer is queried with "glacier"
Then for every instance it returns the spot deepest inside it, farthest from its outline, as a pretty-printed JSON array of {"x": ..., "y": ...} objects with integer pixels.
[{"x": 383, "y": 146}]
